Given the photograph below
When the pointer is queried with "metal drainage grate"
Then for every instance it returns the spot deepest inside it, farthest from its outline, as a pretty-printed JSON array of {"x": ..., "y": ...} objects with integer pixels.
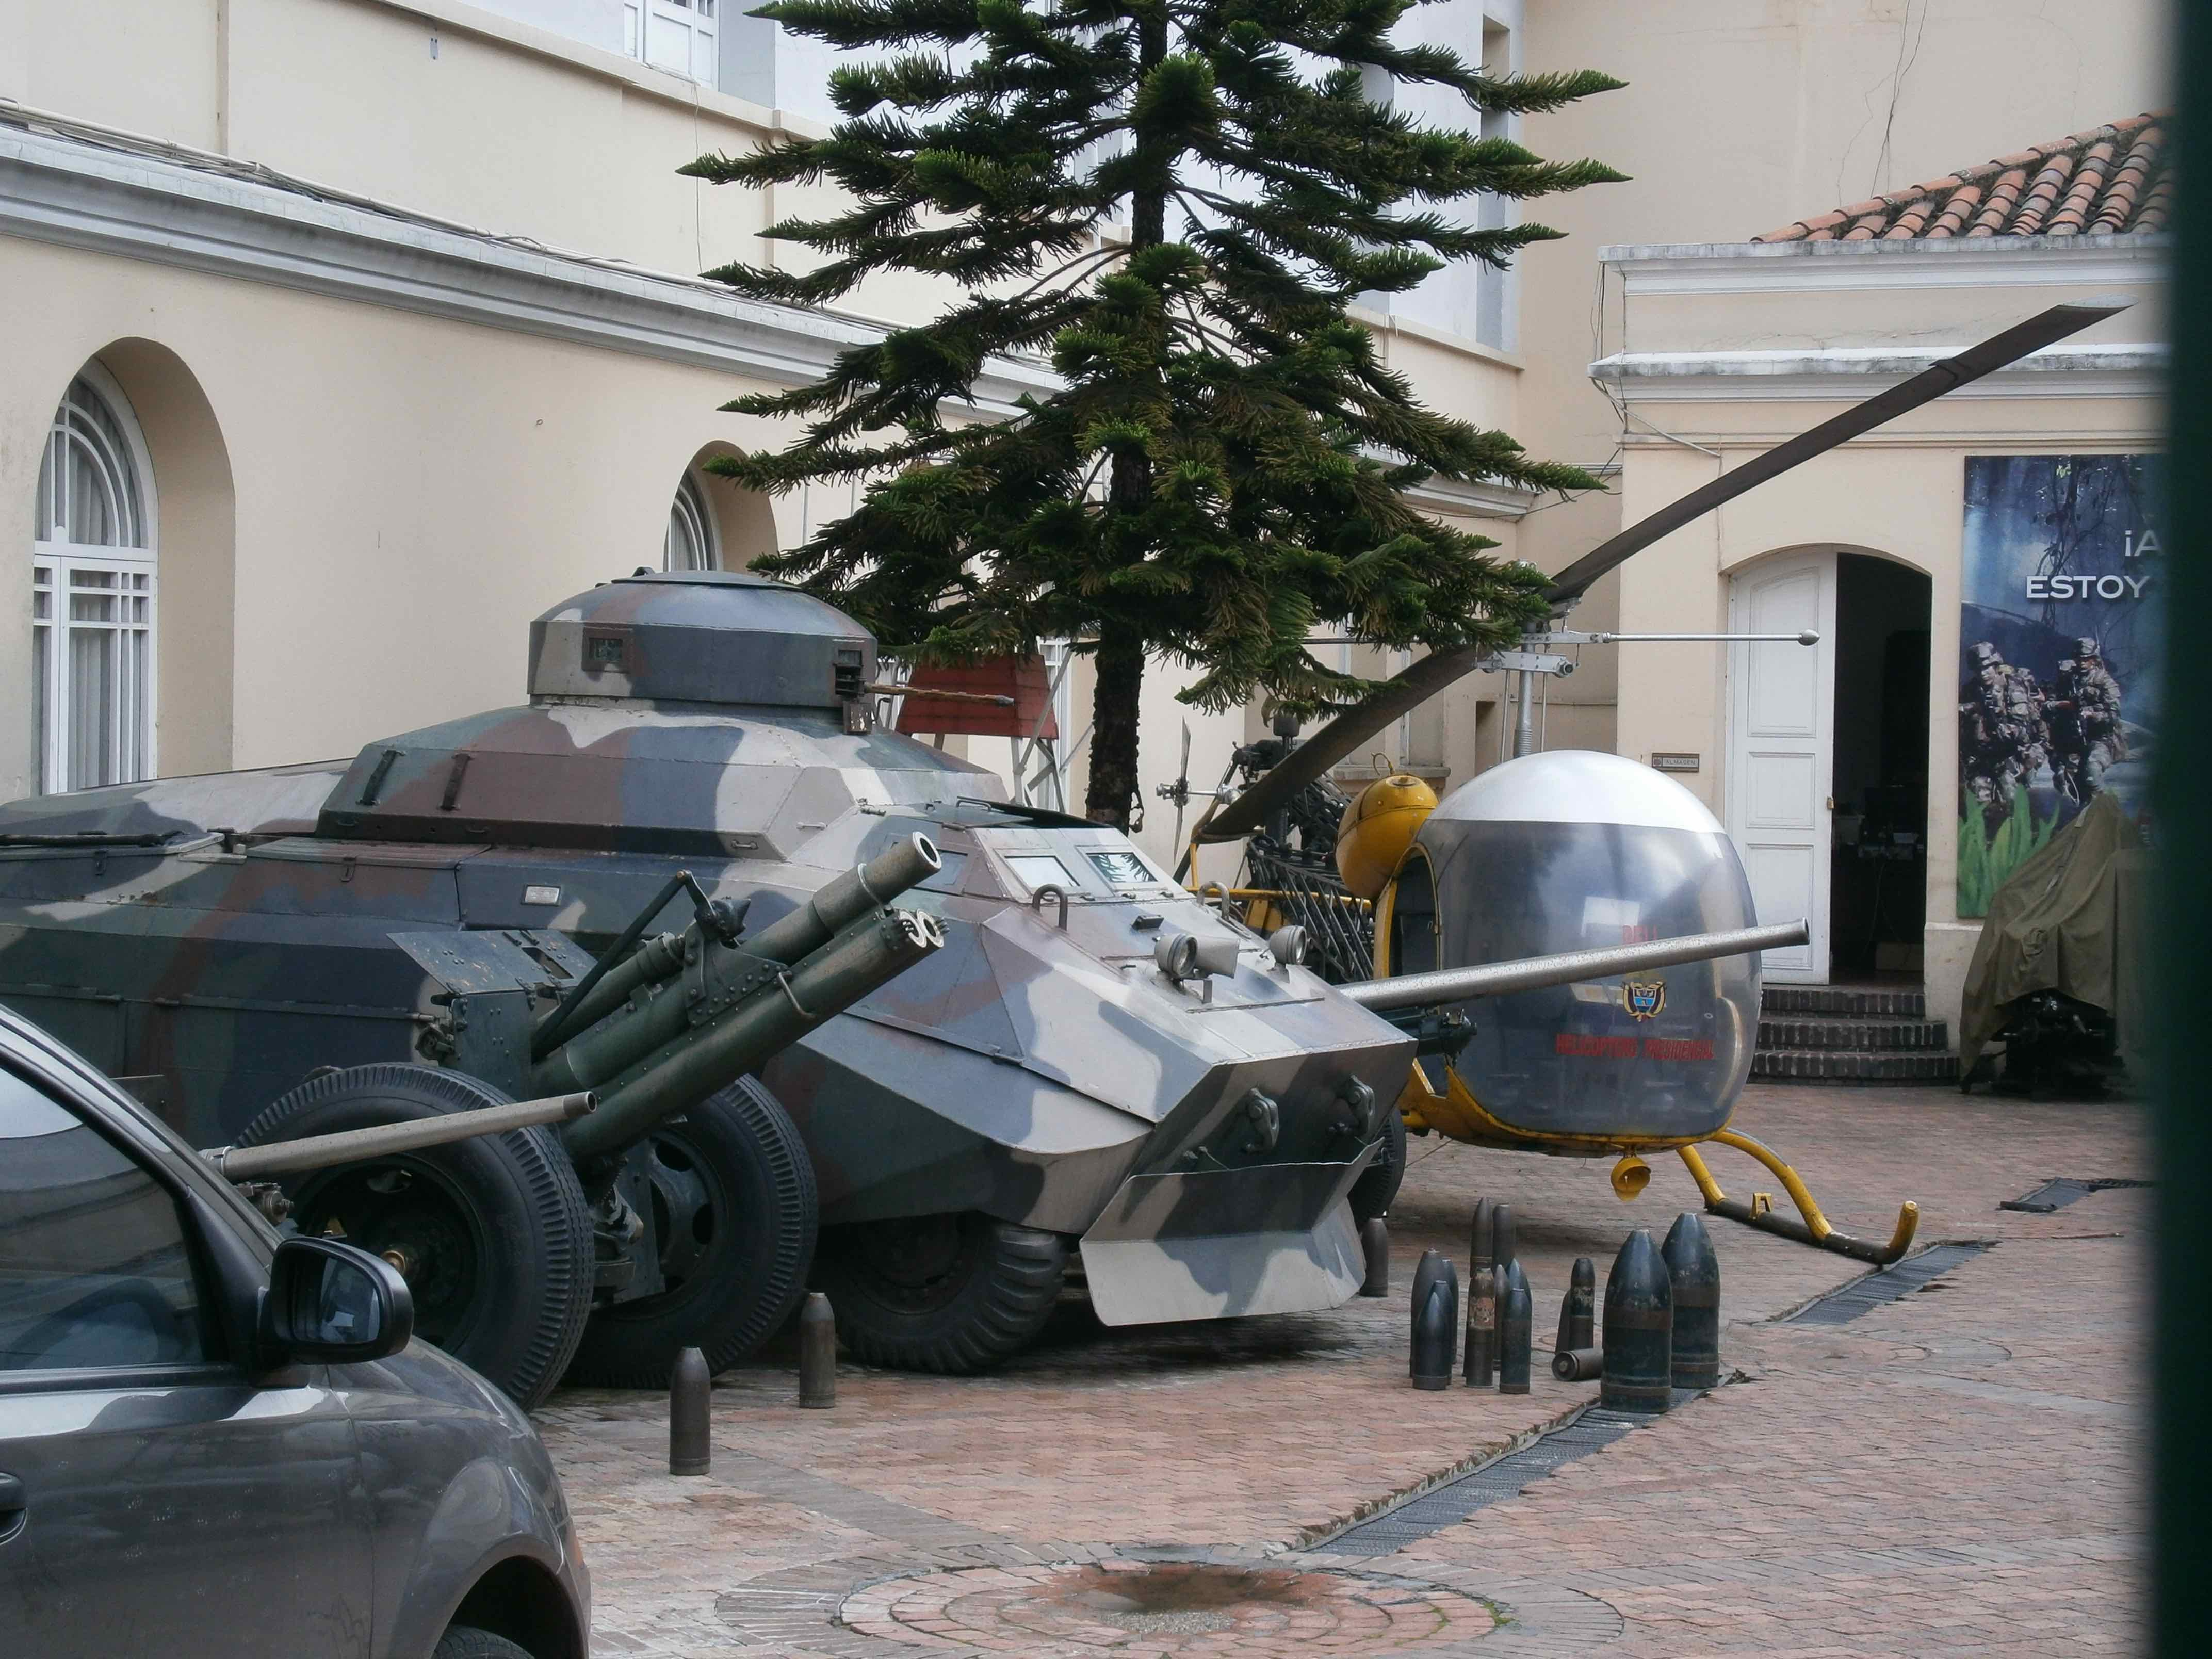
[
  {"x": 1874, "y": 1290},
  {"x": 1455, "y": 1500},
  {"x": 2059, "y": 1191}
]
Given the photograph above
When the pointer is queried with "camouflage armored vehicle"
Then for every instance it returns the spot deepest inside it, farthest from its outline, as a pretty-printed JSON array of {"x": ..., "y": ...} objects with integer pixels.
[{"x": 1095, "y": 1069}]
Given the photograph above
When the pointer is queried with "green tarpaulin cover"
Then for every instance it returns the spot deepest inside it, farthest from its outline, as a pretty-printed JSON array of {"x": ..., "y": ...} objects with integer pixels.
[{"x": 2070, "y": 920}]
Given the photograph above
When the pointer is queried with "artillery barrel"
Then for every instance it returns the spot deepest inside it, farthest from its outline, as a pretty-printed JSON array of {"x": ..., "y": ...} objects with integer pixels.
[
  {"x": 607, "y": 1042},
  {"x": 382, "y": 1140},
  {"x": 659, "y": 959},
  {"x": 714, "y": 1054},
  {"x": 829, "y": 911},
  {"x": 1533, "y": 973},
  {"x": 819, "y": 918}
]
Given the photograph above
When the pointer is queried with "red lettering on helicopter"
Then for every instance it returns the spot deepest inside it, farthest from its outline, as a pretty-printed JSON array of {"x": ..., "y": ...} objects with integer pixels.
[
  {"x": 1677, "y": 1048},
  {"x": 1594, "y": 1047}
]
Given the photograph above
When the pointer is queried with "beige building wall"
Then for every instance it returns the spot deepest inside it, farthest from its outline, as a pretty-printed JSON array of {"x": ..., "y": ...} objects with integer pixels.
[
  {"x": 408, "y": 492},
  {"x": 1897, "y": 494},
  {"x": 1742, "y": 116}
]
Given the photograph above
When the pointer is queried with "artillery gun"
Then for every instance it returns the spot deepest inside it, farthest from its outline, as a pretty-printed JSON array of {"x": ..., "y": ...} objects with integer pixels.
[{"x": 527, "y": 1248}]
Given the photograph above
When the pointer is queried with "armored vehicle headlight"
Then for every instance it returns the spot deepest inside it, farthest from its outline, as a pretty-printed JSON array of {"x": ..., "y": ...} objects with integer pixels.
[
  {"x": 1177, "y": 956},
  {"x": 1288, "y": 944}
]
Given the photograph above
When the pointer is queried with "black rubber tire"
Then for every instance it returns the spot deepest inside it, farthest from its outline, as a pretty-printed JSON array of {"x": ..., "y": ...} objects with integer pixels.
[
  {"x": 467, "y": 1642},
  {"x": 744, "y": 1277},
  {"x": 504, "y": 1281},
  {"x": 1376, "y": 1189},
  {"x": 951, "y": 1293}
]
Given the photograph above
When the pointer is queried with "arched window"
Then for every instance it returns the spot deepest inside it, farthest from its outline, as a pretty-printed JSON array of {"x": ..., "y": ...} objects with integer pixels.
[
  {"x": 93, "y": 592},
  {"x": 690, "y": 543}
]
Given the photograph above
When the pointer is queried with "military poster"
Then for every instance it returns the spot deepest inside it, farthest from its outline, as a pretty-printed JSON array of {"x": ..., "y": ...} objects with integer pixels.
[{"x": 2059, "y": 644}]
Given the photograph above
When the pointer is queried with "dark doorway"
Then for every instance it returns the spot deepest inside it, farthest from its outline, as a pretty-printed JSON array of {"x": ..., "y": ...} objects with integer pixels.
[{"x": 1878, "y": 890}]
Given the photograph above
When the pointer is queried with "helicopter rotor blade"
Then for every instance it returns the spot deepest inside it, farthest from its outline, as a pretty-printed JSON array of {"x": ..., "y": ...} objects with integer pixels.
[
  {"x": 1997, "y": 352},
  {"x": 1422, "y": 680}
]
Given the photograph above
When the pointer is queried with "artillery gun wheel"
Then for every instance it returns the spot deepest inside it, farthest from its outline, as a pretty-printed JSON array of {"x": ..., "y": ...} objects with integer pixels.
[
  {"x": 734, "y": 1212},
  {"x": 951, "y": 1293},
  {"x": 492, "y": 1233},
  {"x": 1376, "y": 1189}
]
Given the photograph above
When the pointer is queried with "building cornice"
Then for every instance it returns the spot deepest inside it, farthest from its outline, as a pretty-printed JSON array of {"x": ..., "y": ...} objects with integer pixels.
[
  {"x": 1850, "y": 373},
  {"x": 117, "y": 200},
  {"x": 1471, "y": 501},
  {"x": 1832, "y": 267}
]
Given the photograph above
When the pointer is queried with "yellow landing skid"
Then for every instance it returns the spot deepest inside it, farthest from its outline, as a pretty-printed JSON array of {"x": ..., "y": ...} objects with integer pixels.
[
  {"x": 1815, "y": 1228},
  {"x": 1457, "y": 1115}
]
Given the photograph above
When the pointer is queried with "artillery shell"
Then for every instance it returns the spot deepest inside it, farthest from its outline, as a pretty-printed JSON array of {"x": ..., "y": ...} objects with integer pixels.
[
  {"x": 1425, "y": 1270},
  {"x": 1639, "y": 1321},
  {"x": 1501, "y": 1235},
  {"x": 1581, "y": 1305},
  {"x": 1578, "y": 1364},
  {"x": 1436, "y": 1325},
  {"x": 817, "y": 1353},
  {"x": 1482, "y": 1308},
  {"x": 690, "y": 1447},
  {"x": 1515, "y": 1338},
  {"x": 1694, "y": 1274},
  {"x": 1374, "y": 1240},
  {"x": 1478, "y": 1255}
]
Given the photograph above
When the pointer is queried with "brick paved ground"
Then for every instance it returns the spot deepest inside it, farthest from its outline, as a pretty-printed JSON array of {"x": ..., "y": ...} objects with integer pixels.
[{"x": 1944, "y": 1475}]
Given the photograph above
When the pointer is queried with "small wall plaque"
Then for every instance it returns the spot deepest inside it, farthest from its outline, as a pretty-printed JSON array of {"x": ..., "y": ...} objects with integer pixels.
[{"x": 1667, "y": 762}]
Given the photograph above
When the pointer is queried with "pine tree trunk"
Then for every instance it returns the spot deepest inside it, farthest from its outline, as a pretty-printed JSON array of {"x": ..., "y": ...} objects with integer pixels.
[
  {"x": 1113, "y": 785},
  {"x": 1114, "y": 701}
]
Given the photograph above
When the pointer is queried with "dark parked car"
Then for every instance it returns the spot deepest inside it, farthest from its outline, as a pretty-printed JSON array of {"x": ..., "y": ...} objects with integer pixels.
[{"x": 215, "y": 1442}]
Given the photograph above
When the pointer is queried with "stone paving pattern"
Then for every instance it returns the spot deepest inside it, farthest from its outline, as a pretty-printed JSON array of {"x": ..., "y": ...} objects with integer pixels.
[{"x": 1952, "y": 1474}]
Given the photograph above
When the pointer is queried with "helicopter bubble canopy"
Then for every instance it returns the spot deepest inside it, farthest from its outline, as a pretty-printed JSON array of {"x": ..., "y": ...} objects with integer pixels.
[{"x": 1572, "y": 850}]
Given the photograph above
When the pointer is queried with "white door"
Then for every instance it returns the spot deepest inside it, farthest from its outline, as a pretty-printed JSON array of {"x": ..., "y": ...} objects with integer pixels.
[{"x": 1781, "y": 726}]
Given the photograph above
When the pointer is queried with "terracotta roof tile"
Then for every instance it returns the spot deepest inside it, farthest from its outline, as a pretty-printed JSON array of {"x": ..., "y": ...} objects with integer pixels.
[{"x": 2110, "y": 180}]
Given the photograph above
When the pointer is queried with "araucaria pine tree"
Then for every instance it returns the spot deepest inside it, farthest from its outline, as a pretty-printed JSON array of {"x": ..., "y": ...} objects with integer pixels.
[{"x": 1176, "y": 203}]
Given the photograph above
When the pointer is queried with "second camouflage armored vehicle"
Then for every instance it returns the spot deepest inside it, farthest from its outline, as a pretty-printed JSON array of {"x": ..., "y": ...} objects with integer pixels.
[{"x": 1096, "y": 1073}]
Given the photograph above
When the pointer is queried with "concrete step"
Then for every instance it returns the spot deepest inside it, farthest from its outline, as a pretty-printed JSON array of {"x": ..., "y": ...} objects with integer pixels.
[
  {"x": 1882, "y": 1036},
  {"x": 1844, "y": 1001},
  {"x": 1852, "y": 1066}
]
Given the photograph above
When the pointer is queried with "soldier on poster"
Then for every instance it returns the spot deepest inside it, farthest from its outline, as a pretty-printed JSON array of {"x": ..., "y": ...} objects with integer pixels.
[{"x": 2088, "y": 733}]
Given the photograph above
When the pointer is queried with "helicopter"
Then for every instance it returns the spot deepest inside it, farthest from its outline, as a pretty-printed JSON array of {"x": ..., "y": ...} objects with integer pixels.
[{"x": 1552, "y": 851}]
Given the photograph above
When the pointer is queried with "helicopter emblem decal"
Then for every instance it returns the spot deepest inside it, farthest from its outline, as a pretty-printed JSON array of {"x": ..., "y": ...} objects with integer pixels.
[{"x": 1643, "y": 1001}]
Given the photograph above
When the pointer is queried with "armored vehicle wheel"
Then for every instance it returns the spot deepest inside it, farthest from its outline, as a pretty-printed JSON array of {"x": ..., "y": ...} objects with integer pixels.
[
  {"x": 492, "y": 1233},
  {"x": 734, "y": 1213},
  {"x": 1377, "y": 1187},
  {"x": 953, "y": 1293}
]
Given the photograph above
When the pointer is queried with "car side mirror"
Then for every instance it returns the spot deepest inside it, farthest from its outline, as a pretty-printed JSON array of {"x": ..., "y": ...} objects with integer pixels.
[{"x": 336, "y": 1302}]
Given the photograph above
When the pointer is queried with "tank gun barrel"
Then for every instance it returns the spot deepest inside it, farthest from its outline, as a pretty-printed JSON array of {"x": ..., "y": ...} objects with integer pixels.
[
  {"x": 1501, "y": 978},
  {"x": 756, "y": 1009}
]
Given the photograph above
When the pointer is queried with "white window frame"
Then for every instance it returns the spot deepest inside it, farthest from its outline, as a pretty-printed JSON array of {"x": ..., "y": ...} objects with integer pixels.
[
  {"x": 689, "y": 509},
  {"x": 57, "y": 566},
  {"x": 692, "y": 25}
]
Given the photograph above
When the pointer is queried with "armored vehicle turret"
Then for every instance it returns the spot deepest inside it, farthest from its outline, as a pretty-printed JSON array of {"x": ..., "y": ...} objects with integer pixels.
[{"x": 1097, "y": 1065}]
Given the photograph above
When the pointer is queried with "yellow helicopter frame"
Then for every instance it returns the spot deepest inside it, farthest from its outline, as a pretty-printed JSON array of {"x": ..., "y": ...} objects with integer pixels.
[{"x": 1456, "y": 1113}]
